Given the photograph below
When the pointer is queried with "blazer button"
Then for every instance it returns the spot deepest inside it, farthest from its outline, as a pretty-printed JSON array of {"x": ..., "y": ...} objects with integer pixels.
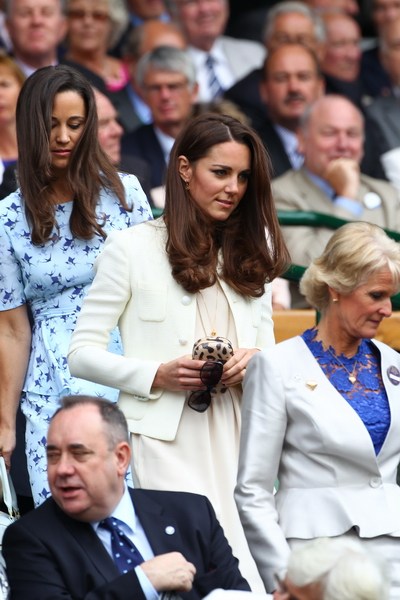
[
  {"x": 375, "y": 482},
  {"x": 186, "y": 300}
]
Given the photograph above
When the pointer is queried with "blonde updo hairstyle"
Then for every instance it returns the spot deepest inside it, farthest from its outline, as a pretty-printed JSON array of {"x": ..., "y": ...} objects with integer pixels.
[{"x": 354, "y": 253}]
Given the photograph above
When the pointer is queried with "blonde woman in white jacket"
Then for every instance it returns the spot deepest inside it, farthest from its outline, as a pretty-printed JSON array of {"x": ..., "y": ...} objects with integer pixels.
[{"x": 321, "y": 413}]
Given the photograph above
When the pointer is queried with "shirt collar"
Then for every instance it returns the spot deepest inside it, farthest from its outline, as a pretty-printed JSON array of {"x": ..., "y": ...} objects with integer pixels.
[
  {"x": 216, "y": 51},
  {"x": 124, "y": 511},
  {"x": 289, "y": 138},
  {"x": 166, "y": 142}
]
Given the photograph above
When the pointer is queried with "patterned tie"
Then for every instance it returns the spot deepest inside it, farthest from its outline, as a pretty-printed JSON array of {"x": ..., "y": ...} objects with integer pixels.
[
  {"x": 125, "y": 554},
  {"x": 213, "y": 83}
]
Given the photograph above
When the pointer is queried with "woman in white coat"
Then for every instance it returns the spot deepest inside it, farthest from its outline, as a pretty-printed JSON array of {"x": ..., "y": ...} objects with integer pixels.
[
  {"x": 201, "y": 270},
  {"x": 321, "y": 413}
]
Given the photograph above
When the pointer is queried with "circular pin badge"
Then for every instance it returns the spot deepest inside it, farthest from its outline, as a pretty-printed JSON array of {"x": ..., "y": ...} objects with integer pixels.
[
  {"x": 394, "y": 375},
  {"x": 372, "y": 200},
  {"x": 170, "y": 530}
]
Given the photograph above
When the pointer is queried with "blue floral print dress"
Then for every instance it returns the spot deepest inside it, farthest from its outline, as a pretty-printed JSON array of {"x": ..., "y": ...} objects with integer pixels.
[{"x": 52, "y": 279}]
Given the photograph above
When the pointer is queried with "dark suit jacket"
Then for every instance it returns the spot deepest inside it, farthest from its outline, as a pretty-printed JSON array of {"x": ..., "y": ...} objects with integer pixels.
[
  {"x": 144, "y": 144},
  {"x": 138, "y": 167},
  {"x": 279, "y": 159},
  {"x": 375, "y": 79},
  {"x": 50, "y": 556},
  {"x": 245, "y": 93}
]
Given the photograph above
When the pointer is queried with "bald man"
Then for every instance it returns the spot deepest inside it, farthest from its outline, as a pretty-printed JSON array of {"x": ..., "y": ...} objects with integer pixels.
[{"x": 331, "y": 138}]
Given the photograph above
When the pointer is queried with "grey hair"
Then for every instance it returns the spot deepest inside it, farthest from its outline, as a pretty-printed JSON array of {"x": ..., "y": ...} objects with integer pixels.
[
  {"x": 342, "y": 567},
  {"x": 166, "y": 58},
  {"x": 8, "y": 6},
  {"x": 113, "y": 418},
  {"x": 353, "y": 254},
  {"x": 292, "y": 6}
]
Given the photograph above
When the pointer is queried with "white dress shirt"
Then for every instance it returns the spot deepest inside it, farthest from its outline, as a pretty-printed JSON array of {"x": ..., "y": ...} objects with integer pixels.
[{"x": 221, "y": 67}]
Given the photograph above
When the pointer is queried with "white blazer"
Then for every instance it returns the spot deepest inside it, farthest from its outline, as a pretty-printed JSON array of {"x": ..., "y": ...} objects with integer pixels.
[
  {"x": 134, "y": 288},
  {"x": 296, "y": 427}
]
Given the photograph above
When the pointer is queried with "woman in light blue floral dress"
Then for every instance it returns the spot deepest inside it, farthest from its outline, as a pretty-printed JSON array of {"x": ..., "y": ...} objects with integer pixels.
[{"x": 51, "y": 231}]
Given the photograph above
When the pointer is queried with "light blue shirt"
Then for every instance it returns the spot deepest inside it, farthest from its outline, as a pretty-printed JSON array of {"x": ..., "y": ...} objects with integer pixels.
[
  {"x": 349, "y": 204},
  {"x": 290, "y": 143},
  {"x": 166, "y": 143},
  {"x": 133, "y": 529}
]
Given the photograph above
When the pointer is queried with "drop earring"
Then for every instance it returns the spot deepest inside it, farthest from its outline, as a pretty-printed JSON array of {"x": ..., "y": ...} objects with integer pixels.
[{"x": 187, "y": 185}]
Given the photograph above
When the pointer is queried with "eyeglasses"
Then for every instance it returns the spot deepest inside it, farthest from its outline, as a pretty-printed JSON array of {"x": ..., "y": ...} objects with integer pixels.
[
  {"x": 96, "y": 15},
  {"x": 210, "y": 375},
  {"x": 172, "y": 88}
]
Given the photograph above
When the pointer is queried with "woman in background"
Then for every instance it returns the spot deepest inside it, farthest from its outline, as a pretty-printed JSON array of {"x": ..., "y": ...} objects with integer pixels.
[
  {"x": 321, "y": 414},
  {"x": 203, "y": 269},
  {"x": 11, "y": 81},
  {"x": 93, "y": 27},
  {"x": 51, "y": 231}
]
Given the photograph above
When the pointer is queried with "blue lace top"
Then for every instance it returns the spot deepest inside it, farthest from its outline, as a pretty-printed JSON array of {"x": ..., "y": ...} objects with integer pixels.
[{"x": 367, "y": 396}]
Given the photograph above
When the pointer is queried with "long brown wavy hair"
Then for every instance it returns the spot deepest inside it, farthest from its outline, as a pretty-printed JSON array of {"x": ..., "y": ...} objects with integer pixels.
[
  {"x": 250, "y": 240},
  {"x": 89, "y": 168}
]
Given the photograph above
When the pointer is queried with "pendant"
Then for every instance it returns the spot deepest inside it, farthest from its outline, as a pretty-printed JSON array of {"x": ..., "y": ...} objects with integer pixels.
[
  {"x": 352, "y": 379},
  {"x": 213, "y": 333}
]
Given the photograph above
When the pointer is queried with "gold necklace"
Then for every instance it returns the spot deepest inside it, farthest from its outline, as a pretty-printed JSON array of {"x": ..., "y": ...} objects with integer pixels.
[
  {"x": 350, "y": 376},
  {"x": 211, "y": 323}
]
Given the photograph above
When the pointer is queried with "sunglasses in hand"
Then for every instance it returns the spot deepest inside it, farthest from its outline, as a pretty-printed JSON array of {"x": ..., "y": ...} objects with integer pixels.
[{"x": 210, "y": 375}]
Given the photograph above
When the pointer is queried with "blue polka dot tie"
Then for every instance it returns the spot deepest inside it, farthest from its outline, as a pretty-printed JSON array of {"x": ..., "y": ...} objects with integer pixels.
[{"x": 125, "y": 554}]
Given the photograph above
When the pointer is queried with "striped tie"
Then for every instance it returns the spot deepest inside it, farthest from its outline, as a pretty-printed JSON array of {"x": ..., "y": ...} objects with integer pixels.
[{"x": 213, "y": 84}]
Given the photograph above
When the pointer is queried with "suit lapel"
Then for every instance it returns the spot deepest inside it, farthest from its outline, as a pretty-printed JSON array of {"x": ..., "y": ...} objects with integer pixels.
[
  {"x": 388, "y": 360},
  {"x": 161, "y": 530},
  {"x": 85, "y": 536},
  {"x": 324, "y": 400}
]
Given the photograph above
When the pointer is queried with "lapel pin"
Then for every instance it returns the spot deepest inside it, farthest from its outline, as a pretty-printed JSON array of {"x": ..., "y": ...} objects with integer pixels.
[
  {"x": 311, "y": 385},
  {"x": 394, "y": 375},
  {"x": 170, "y": 530},
  {"x": 372, "y": 200}
]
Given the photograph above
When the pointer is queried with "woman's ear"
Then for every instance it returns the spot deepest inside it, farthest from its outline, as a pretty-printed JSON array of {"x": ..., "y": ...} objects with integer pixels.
[
  {"x": 184, "y": 168},
  {"x": 333, "y": 294}
]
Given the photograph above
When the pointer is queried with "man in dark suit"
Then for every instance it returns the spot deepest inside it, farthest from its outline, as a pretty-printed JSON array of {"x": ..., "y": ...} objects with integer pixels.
[
  {"x": 375, "y": 77},
  {"x": 66, "y": 547},
  {"x": 291, "y": 83},
  {"x": 167, "y": 79},
  {"x": 288, "y": 22}
]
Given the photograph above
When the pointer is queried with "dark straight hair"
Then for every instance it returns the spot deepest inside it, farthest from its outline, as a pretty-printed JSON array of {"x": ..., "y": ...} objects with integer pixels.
[{"x": 89, "y": 169}]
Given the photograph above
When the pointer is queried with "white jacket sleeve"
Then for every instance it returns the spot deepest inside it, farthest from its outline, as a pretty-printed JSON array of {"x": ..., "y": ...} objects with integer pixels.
[{"x": 102, "y": 310}]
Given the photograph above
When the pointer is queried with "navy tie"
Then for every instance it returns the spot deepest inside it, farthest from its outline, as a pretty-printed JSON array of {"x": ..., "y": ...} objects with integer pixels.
[
  {"x": 125, "y": 554},
  {"x": 213, "y": 83}
]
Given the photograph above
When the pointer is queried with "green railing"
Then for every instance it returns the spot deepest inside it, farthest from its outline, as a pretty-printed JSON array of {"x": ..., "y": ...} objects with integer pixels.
[
  {"x": 314, "y": 219},
  {"x": 311, "y": 219}
]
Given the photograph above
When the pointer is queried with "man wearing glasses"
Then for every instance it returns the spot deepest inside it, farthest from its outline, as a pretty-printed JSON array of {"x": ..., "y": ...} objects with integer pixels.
[{"x": 167, "y": 80}]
